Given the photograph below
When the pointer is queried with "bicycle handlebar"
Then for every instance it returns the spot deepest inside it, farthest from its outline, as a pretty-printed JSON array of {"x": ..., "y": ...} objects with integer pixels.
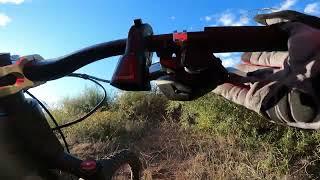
[
  {"x": 216, "y": 39},
  {"x": 232, "y": 39},
  {"x": 56, "y": 68}
]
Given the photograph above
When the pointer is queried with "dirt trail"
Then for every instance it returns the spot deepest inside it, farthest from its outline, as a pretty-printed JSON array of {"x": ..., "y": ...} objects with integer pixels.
[
  {"x": 169, "y": 152},
  {"x": 166, "y": 151}
]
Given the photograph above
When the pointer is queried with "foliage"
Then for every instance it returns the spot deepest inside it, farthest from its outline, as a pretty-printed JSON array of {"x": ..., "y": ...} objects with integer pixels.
[
  {"x": 254, "y": 148},
  {"x": 142, "y": 106},
  {"x": 85, "y": 102},
  {"x": 286, "y": 146}
]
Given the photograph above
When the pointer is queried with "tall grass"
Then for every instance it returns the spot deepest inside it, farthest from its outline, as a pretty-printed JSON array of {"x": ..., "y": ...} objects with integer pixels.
[
  {"x": 284, "y": 148},
  {"x": 202, "y": 139},
  {"x": 122, "y": 119}
]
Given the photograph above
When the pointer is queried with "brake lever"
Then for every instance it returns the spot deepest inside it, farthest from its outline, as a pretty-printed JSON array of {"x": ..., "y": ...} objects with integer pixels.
[
  {"x": 189, "y": 56},
  {"x": 132, "y": 69}
]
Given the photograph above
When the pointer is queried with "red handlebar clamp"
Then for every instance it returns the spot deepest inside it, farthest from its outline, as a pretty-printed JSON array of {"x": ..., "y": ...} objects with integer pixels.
[
  {"x": 180, "y": 37},
  {"x": 172, "y": 61}
]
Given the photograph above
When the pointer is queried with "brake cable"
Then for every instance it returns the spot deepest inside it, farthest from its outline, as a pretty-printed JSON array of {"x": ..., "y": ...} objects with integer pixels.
[
  {"x": 92, "y": 79},
  {"x": 59, "y": 127},
  {"x": 86, "y": 76},
  {"x": 52, "y": 118}
]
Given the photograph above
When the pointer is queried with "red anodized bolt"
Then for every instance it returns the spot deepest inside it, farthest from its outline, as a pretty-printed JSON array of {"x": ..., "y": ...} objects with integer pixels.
[{"x": 88, "y": 165}]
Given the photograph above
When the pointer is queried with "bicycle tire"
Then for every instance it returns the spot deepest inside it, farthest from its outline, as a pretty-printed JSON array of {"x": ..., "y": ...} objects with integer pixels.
[{"x": 113, "y": 162}]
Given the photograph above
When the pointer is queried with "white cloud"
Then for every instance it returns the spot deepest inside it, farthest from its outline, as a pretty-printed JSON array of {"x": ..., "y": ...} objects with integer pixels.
[
  {"x": 4, "y": 20},
  {"x": 223, "y": 55},
  {"x": 11, "y": 1},
  {"x": 244, "y": 20},
  {"x": 229, "y": 62},
  {"x": 313, "y": 8},
  {"x": 226, "y": 19},
  {"x": 208, "y": 18},
  {"x": 228, "y": 59},
  {"x": 172, "y": 18},
  {"x": 287, "y": 4},
  {"x": 230, "y": 19}
]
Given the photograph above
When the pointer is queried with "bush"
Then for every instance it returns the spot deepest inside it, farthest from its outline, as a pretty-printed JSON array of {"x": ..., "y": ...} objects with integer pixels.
[
  {"x": 221, "y": 118},
  {"x": 278, "y": 150},
  {"x": 125, "y": 118},
  {"x": 71, "y": 108},
  {"x": 84, "y": 102},
  {"x": 142, "y": 106}
]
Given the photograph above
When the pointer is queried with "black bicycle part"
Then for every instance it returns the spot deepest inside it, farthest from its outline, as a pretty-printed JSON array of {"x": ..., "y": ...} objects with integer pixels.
[
  {"x": 187, "y": 84},
  {"x": 53, "y": 120},
  {"x": 112, "y": 163},
  {"x": 86, "y": 77},
  {"x": 215, "y": 39},
  {"x": 59, "y": 127},
  {"x": 59, "y": 67},
  {"x": 133, "y": 67}
]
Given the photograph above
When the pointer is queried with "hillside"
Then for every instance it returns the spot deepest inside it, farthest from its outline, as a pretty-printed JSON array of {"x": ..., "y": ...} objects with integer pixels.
[{"x": 209, "y": 138}]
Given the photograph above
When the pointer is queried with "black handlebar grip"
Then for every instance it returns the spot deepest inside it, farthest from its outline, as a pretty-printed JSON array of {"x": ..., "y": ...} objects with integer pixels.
[
  {"x": 245, "y": 38},
  {"x": 232, "y": 39}
]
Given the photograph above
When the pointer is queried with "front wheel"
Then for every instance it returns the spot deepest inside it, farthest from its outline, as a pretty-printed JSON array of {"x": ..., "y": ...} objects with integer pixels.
[{"x": 122, "y": 165}]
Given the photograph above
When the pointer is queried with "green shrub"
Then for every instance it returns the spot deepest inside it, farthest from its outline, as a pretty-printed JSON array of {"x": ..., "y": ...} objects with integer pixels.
[
  {"x": 215, "y": 115},
  {"x": 132, "y": 114},
  {"x": 142, "y": 106},
  {"x": 129, "y": 115},
  {"x": 71, "y": 108},
  {"x": 84, "y": 102},
  {"x": 99, "y": 126}
]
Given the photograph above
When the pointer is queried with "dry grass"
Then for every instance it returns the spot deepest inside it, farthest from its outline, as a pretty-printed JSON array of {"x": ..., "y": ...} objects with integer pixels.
[
  {"x": 184, "y": 154},
  {"x": 170, "y": 152},
  {"x": 205, "y": 139}
]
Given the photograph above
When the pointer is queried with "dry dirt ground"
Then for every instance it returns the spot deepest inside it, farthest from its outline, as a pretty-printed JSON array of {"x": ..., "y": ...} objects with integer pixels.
[{"x": 171, "y": 153}]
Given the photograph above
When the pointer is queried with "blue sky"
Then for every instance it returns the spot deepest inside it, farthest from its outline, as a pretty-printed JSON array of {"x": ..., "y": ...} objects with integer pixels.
[{"x": 53, "y": 28}]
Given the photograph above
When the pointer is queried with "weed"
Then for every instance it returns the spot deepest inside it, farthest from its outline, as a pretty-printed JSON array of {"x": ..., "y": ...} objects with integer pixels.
[{"x": 209, "y": 138}]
